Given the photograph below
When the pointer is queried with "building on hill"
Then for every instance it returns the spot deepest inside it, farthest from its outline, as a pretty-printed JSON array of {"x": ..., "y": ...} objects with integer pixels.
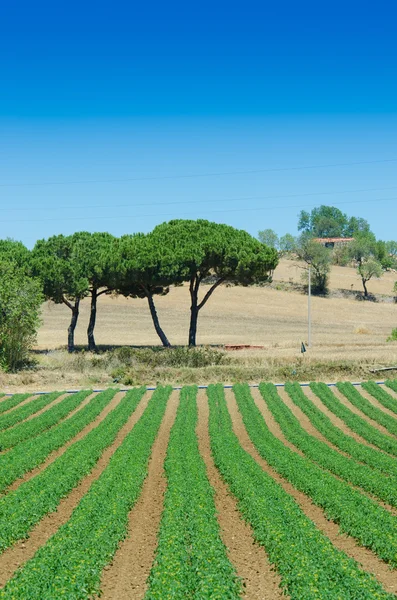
[{"x": 334, "y": 242}]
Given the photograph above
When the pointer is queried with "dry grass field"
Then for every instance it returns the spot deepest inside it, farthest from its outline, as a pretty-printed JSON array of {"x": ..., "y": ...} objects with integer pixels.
[{"x": 344, "y": 330}]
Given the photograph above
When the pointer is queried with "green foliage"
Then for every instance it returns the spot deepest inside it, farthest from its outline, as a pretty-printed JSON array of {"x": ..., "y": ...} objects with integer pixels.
[
  {"x": 383, "y": 398},
  {"x": 32, "y": 427},
  {"x": 287, "y": 244},
  {"x": 393, "y": 336},
  {"x": 357, "y": 515},
  {"x": 329, "y": 221},
  {"x": 31, "y": 453},
  {"x": 353, "y": 421},
  {"x": 88, "y": 541},
  {"x": 57, "y": 264},
  {"x": 15, "y": 253},
  {"x": 270, "y": 238},
  {"x": 382, "y": 486},
  {"x": 42, "y": 494},
  {"x": 12, "y": 402},
  {"x": 319, "y": 258},
  {"x": 309, "y": 565},
  {"x": 190, "y": 555},
  {"x": 346, "y": 443},
  {"x": 30, "y": 408},
  {"x": 20, "y": 301}
]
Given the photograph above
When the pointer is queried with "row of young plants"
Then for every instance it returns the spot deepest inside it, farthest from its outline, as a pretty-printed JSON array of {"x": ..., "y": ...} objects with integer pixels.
[
  {"x": 30, "y": 408},
  {"x": 353, "y": 421},
  {"x": 46, "y": 420},
  {"x": 374, "y": 458},
  {"x": 12, "y": 401},
  {"x": 309, "y": 565},
  {"x": 33, "y": 452},
  {"x": 382, "y": 486},
  {"x": 191, "y": 559},
  {"x": 357, "y": 515},
  {"x": 392, "y": 384},
  {"x": 22, "y": 508},
  {"x": 381, "y": 395},
  {"x": 70, "y": 564},
  {"x": 373, "y": 412}
]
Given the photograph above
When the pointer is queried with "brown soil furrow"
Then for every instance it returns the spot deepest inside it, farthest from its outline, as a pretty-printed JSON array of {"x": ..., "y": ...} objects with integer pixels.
[
  {"x": 358, "y": 412},
  {"x": 32, "y": 397},
  {"x": 334, "y": 419},
  {"x": 21, "y": 552},
  {"x": 127, "y": 575},
  {"x": 260, "y": 580},
  {"x": 376, "y": 403},
  {"x": 341, "y": 541},
  {"x": 54, "y": 455},
  {"x": 277, "y": 432}
]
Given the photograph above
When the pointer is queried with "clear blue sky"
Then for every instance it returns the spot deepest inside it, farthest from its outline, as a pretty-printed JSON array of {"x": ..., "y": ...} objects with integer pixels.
[{"x": 117, "y": 116}]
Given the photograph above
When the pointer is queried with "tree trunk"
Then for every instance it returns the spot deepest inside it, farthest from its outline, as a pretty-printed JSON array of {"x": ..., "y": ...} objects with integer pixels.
[
  {"x": 365, "y": 288},
  {"x": 156, "y": 322},
  {"x": 91, "y": 324},
  {"x": 194, "y": 310},
  {"x": 72, "y": 326}
]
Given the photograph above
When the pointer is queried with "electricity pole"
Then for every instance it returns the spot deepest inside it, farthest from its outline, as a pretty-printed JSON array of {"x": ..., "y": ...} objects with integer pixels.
[{"x": 309, "y": 315}]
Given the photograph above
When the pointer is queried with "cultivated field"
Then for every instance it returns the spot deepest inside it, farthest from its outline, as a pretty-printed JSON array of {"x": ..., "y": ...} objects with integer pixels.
[{"x": 246, "y": 493}]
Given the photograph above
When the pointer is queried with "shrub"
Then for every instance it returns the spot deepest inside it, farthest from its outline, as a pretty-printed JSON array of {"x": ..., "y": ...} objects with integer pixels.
[{"x": 20, "y": 301}]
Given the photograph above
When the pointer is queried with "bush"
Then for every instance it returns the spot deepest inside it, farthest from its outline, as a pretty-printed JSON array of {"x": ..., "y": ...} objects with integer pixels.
[
  {"x": 20, "y": 301},
  {"x": 393, "y": 336}
]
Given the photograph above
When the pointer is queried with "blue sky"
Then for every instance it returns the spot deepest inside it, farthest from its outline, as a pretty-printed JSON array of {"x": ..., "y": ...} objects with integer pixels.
[{"x": 116, "y": 117}]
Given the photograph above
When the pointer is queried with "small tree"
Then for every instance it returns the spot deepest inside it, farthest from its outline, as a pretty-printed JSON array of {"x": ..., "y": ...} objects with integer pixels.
[
  {"x": 319, "y": 258},
  {"x": 368, "y": 269},
  {"x": 269, "y": 237},
  {"x": 287, "y": 244},
  {"x": 365, "y": 251},
  {"x": 20, "y": 301},
  {"x": 196, "y": 250},
  {"x": 59, "y": 269}
]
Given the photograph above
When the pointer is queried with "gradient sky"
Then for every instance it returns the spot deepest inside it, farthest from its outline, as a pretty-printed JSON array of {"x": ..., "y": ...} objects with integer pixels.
[{"x": 116, "y": 117}]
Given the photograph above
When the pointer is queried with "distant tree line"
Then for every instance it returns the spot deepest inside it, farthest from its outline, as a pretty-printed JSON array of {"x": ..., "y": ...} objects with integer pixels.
[
  {"x": 67, "y": 269},
  {"x": 371, "y": 257}
]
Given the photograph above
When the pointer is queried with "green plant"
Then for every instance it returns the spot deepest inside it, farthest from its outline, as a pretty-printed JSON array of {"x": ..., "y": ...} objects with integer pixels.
[{"x": 393, "y": 336}]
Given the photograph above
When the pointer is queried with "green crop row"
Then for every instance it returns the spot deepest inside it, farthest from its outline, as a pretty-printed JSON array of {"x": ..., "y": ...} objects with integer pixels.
[
  {"x": 375, "y": 458},
  {"x": 355, "y": 422},
  {"x": 23, "y": 412},
  {"x": 70, "y": 564},
  {"x": 309, "y": 565},
  {"x": 32, "y": 452},
  {"x": 392, "y": 384},
  {"x": 14, "y": 400},
  {"x": 373, "y": 412},
  {"x": 381, "y": 395},
  {"x": 357, "y": 515},
  {"x": 21, "y": 509},
  {"x": 191, "y": 560},
  {"x": 29, "y": 429},
  {"x": 378, "y": 484}
]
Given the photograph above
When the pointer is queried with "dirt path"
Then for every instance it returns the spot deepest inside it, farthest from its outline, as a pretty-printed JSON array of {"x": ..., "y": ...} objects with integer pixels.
[
  {"x": 16, "y": 556},
  {"x": 359, "y": 413},
  {"x": 391, "y": 392},
  {"x": 334, "y": 419},
  {"x": 260, "y": 581},
  {"x": 54, "y": 455},
  {"x": 341, "y": 541},
  {"x": 126, "y": 576}
]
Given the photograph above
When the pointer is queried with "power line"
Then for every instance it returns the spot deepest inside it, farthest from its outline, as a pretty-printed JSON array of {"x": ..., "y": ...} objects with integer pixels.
[
  {"x": 183, "y": 202},
  {"x": 223, "y": 211},
  {"x": 190, "y": 176}
]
